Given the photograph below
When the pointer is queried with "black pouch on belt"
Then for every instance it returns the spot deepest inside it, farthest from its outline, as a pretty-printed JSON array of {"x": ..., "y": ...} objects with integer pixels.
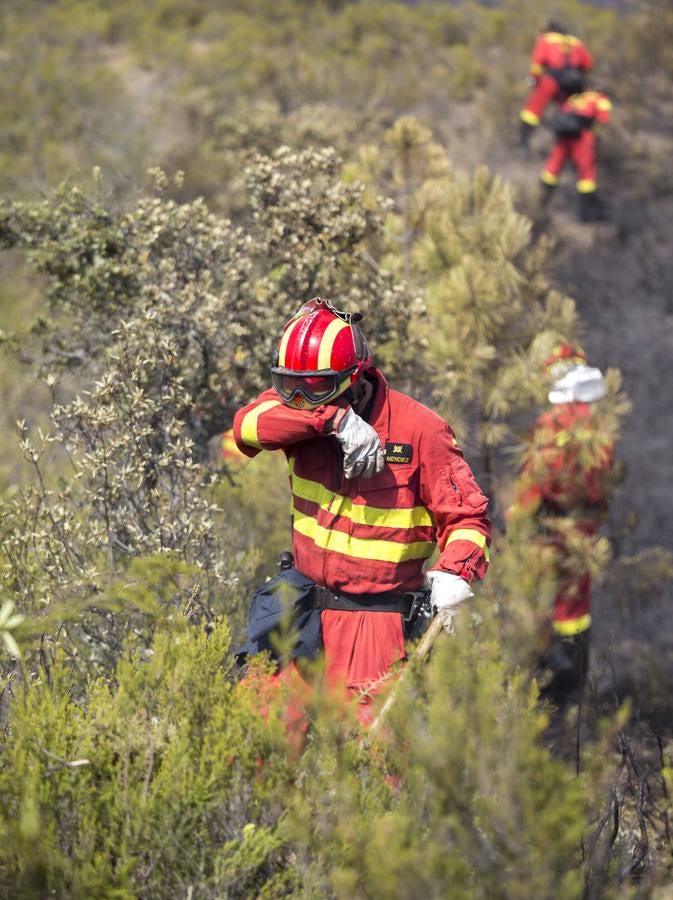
[
  {"x": 420, "y": 616},
  {"x": 283, "y": 604}
]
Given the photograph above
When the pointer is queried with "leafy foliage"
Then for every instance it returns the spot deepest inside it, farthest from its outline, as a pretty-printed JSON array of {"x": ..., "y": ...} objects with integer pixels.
[
  {"x": 151, "y": 786},
  {"x": 169, "y": 777},
  {"x": 218, "y": 293},
  {"x": 493, "y": 315},
  {"x": 464, "y": 779}
]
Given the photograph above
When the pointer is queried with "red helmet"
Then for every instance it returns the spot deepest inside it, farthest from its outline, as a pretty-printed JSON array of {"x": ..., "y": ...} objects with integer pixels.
[
  {"x": 563, "y": 357},
  {"x": 322, "y": 352}
]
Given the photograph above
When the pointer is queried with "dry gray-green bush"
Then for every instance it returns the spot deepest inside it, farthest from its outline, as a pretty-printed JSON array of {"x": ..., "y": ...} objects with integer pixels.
[{"x": 220, "y": 292}]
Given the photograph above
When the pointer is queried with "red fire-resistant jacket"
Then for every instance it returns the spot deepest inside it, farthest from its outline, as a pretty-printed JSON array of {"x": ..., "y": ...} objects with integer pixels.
[
  {"x": 561, "y": 479},
  {"x": 373, "y": 535},
  {"x": 557, "y": 480},
  {"x": 556, "y": 51},
  {"x": 594, "y": 105}
]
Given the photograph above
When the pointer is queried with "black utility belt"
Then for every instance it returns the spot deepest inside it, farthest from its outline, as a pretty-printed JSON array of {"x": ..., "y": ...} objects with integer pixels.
[{"x": 324, "y": 598}]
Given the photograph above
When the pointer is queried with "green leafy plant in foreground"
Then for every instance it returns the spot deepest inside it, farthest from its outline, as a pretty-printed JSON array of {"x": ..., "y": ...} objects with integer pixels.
[
  {"x": 165, "y": 779},
  {"x": 174, "y": 779}
]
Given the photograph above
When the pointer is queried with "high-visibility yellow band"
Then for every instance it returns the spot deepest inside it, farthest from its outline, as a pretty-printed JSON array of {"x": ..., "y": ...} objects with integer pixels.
[
  {"x": 536, "y": 69},
  {"x": 549, "y": 178},
  {"x": 360, "y": 548},
  {"x": 250, "y": 420},
  {"x": 282, "y": 349},
  {"x": 604, "y": 104},
  {"x": 335, "y": 327},
  {"x": 577, "y": 434},
  {"x": 568, "y": 627},
  {"x": 529, "y": 117},
  {"x": 556, "y": 37},
  {"x": 586, "y": 186},
  {"x": 375, "y": 516},
  {"x": 472, "y": 535}
]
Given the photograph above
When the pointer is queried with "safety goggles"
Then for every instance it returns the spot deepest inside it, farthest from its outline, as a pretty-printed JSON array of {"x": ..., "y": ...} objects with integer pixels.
[{"x": 313, "y": 387}]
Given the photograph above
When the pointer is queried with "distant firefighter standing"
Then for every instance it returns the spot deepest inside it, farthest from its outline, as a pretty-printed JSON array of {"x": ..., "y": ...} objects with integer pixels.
[
  {"x": 558, "y": 65},
  {"x": 574, "y": 127},
  {"x": 565, "y": 484}
]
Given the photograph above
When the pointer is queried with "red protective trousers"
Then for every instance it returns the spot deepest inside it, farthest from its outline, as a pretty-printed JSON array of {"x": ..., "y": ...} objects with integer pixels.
[
  {"x": 545, "y": 90},
  {"x": 572, "y": 603},
  {"x": 360, "y": 649},
  {"x": 582, "y": 151}
]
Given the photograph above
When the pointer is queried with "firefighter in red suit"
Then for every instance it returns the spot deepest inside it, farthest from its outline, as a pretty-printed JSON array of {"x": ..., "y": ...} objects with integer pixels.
[
  {"x": 557, "y": 69},
  {"x": 228, "y": 451},
  {"x": 378, "y": 481},
  {"x": 575, "y": 128},
  {"x": 569, "y": 473}
]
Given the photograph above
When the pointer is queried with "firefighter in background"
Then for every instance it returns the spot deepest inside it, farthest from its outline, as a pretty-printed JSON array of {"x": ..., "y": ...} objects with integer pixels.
[
  {"x": 569, "y": 473},
  {"x": 575, "y": 126},
  {"x": 229, "y": 453},
  {"x": 557, "y": 69},
  {"x": 378, "y": 481}
]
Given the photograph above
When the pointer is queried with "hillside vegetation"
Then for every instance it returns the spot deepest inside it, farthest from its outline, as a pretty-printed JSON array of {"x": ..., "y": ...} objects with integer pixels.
[{"x": 178, "y": 176}]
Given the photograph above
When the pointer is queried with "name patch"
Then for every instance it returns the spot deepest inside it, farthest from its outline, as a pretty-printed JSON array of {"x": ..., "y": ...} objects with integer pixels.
[{"x": 398, "y": 453}]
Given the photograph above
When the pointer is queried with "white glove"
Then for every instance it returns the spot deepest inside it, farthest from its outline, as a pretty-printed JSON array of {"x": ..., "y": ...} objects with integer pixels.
[
  {"x": 363, "y": 453},
  {"x": 448, "y": 592}
]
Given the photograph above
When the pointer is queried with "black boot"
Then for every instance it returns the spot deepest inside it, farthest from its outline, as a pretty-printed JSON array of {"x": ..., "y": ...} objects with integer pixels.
[
  {"x": 525, "y": 131},
  {"x": 591, "y": 208},
  {"x": 566, "y": 661},
  {"x": 546, "y": 193}
]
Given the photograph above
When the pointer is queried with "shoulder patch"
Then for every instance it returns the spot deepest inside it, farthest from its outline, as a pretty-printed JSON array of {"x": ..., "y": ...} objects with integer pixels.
[{"x": 398, "y": 453}]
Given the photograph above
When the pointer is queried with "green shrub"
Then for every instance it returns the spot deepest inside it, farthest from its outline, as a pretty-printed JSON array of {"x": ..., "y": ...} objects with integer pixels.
[{"x": 165, "y": 781}]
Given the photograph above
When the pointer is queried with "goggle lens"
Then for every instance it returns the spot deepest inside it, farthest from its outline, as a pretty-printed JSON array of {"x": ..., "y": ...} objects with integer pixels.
[{"x": 315, "y": 388}]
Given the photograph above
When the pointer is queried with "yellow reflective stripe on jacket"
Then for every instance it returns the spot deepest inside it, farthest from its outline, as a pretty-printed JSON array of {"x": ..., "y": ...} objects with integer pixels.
[
  {"x": 568, "y": 627},
  {"x": 250, "y": 420},
  {"x": 472, "y": 535},
  {"x": 337, "y": 504},
  {"x": 361, "y": 548},
  {"x": 556, "y": 37}
]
